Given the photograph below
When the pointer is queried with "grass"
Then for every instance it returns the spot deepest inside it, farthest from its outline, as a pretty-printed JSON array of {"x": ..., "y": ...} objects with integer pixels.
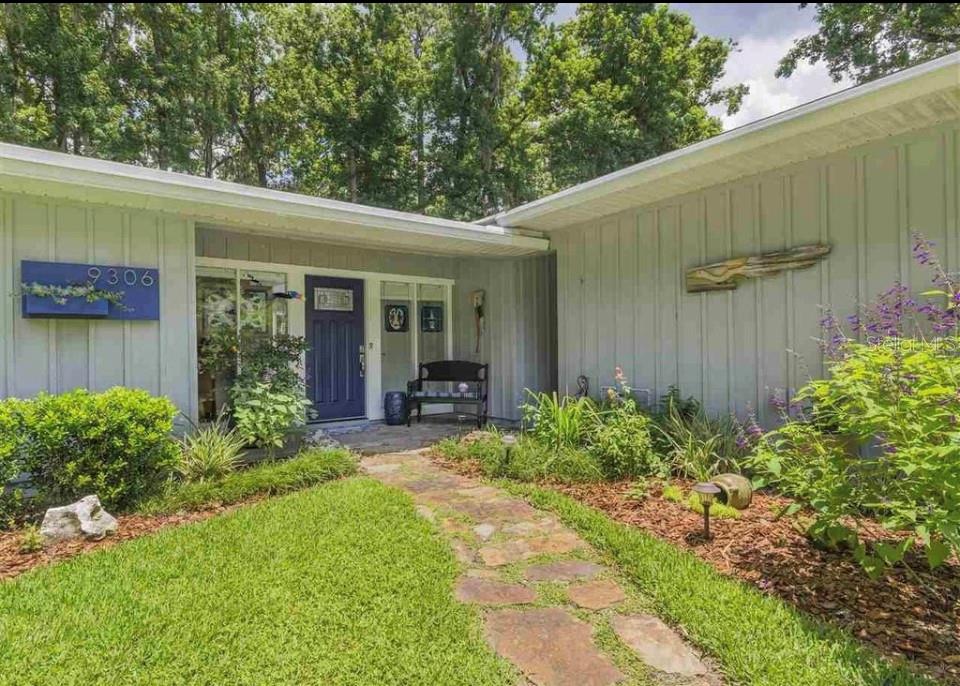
[
  {"x": 759, "y": 640},
  {"x": 340, "y": 584},
  {"x": 271, "y": 478},
  {"x": 530, "y": 460}
]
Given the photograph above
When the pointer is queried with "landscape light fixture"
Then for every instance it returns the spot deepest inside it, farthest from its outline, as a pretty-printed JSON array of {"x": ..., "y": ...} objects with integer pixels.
[
  {"x": 706, "y": 492},
  {"x": 509, "y": 442}
]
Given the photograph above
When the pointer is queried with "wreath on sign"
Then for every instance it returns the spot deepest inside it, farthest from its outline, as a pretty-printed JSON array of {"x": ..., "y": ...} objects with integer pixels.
[{"x": 61, "y": 294}]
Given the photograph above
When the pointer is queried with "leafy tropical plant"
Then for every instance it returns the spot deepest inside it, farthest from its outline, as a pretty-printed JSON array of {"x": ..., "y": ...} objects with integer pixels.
[
  {"x": 211, "y": 452},
  {"x": 265, "y": 414}
]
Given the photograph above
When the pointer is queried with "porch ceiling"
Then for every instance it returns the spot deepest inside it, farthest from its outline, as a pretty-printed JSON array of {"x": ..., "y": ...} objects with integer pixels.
[{"x": 209, "y": 201}]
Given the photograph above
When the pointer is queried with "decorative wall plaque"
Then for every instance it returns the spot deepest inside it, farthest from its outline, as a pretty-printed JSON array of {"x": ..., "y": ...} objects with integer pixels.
[
  {"x": 431, "y": 318},
  {"x": 333, "y": 299},
  {"x": 395, "y": 318},
  {"x": 137, "y": 290},
  {"x": 724, "y": 276}
]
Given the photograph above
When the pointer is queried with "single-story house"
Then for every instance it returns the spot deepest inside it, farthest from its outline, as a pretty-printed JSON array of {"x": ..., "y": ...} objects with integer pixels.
[{"x": 572, "y": 284}]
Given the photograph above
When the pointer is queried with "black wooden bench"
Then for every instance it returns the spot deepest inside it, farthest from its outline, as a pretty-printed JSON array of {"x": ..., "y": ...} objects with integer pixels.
[{"x": 472, "y": 374}]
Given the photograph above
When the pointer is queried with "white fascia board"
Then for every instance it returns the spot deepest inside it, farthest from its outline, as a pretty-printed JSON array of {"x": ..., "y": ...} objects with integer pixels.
[
  {"x": 929, "y": 77},
  {"x": 44, "y": 171}
]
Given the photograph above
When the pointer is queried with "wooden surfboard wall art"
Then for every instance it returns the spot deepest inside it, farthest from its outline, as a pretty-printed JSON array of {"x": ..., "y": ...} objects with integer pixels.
[{"x": 724, "y": 276}]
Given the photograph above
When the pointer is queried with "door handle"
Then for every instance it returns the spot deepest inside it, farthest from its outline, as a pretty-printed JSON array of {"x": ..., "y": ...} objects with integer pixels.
[{"x": 363, "y": 361}]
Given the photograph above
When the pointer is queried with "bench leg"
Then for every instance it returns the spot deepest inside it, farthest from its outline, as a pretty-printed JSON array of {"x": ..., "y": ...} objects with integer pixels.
[{"x": 419, "y": 412}]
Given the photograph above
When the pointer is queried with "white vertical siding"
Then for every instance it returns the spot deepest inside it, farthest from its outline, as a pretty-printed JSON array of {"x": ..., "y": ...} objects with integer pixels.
[
  {"x": 620, "y": 283},
  {"x": 58, "y": 355}
]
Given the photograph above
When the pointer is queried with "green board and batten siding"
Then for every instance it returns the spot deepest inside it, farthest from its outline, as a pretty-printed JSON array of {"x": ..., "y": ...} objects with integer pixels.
[
  {"x": 620, "y": 279},
  {"x": 58, "y": 355}
]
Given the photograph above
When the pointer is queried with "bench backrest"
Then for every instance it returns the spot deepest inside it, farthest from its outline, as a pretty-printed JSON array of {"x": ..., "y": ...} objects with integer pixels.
[{"x": 453, "y": 370}]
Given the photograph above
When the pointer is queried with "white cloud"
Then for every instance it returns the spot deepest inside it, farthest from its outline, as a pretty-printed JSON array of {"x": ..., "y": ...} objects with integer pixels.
[{"x": 755, "y": 64}]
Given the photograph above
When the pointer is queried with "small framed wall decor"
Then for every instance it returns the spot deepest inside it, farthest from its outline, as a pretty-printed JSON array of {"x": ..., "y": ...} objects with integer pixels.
[
  {"x": 395, "y": 318},
  {"x": 431, "y": 318}
]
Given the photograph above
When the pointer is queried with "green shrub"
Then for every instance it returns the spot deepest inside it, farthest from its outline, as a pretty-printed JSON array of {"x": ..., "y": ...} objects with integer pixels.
[
  {"x": 116, "y": 444},
  {"x": 558, "y": 422},
  {"x": 11, "y": 460},
  {"x": 210, "y": 453},
  {"x": 265, "y": 413},
  {"x": 270, "y": 478},
  {"x": 897, "y": 402},
  {"x": 622, "y": 445}
]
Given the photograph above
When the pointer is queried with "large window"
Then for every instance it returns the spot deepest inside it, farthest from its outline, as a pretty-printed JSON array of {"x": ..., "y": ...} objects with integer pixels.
[
  {"x": 260, "y": 313},
  {"x": 414, "y": 327}
]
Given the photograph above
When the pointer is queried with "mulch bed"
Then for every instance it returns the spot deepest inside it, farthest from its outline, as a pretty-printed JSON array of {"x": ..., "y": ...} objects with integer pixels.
[
  {"x": 911, "y": 613},
  {"x": 13, "y": 562}
]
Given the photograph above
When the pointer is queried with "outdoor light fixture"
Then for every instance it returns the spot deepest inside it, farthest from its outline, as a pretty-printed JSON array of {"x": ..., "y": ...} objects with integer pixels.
[
  {"x": 509, "y": 442},
  {"x": 706, "y": 491}
]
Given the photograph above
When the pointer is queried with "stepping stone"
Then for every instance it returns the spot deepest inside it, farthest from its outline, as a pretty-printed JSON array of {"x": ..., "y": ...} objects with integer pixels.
[
  {"x": 658, "y": 645},
  {"x": 596, "y": 595},
  {"x": 542, "y": 527},
  {"x": 489, "y": 592},
  {"x": 550, "y": 647},
  {"x": 563, "y": 570},
  {"x": 525, "y": 548},
  {"x": 463, "y": 552},
  {"x": 480, "y": 492},
  {"x": 498, "y": 510},
  {"x": 427, "y": 513},
  {"x": 484, "y": 531},
  {"x": 385, "y": 468}
]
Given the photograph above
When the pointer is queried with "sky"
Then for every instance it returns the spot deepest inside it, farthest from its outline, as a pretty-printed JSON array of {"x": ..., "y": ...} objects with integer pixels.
[{"x": 764, "y": 32}]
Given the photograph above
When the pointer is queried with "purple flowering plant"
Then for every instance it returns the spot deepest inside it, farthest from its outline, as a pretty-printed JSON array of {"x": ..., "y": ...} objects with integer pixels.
[{"x": 879, "y": 438}]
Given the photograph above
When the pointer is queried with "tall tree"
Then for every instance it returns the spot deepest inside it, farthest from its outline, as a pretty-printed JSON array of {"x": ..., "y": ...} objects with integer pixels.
[
  {"x": 868, "y": 40},
  {"x": 621, "y": 83},
  {"x": 475, "y": 96},
  {"x": 356, "y": 64},
  {"x": 55, "y": 85}
]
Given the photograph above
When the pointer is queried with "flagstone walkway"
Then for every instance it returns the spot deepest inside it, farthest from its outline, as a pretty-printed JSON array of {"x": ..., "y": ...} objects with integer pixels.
[{"x": 550, "y": 604}]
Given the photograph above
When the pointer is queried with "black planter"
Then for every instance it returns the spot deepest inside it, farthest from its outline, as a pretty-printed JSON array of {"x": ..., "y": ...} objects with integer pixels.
[{"x": 395, "y": 408}]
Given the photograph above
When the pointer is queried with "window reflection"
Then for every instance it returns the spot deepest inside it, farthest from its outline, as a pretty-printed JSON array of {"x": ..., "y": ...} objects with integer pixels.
[{"x": 262, "y": 312}]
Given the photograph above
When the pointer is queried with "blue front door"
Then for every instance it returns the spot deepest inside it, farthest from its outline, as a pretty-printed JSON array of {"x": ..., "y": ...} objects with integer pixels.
[{"x": 335, "y": 359}]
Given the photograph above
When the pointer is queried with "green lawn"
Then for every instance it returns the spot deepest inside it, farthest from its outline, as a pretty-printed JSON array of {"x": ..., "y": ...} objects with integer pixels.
[
  {"x": 758, "y": 640},
  {"x": 340, "y": 584}
]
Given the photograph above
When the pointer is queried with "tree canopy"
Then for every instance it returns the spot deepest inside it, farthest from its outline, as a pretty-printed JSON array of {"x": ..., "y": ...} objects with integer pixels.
[
  {"x": 865, "y": 41},
  {"x": 459, "y": 109}
]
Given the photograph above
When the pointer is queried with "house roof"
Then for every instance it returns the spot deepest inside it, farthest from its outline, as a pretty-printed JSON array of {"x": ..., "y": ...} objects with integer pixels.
[
  {"x": 921, "y": 96},
  {"x": 210, "y": 201}
]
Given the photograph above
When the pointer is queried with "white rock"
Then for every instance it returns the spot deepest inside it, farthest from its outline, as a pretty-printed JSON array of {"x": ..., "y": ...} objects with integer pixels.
[{"x": 85, "y": 518}]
